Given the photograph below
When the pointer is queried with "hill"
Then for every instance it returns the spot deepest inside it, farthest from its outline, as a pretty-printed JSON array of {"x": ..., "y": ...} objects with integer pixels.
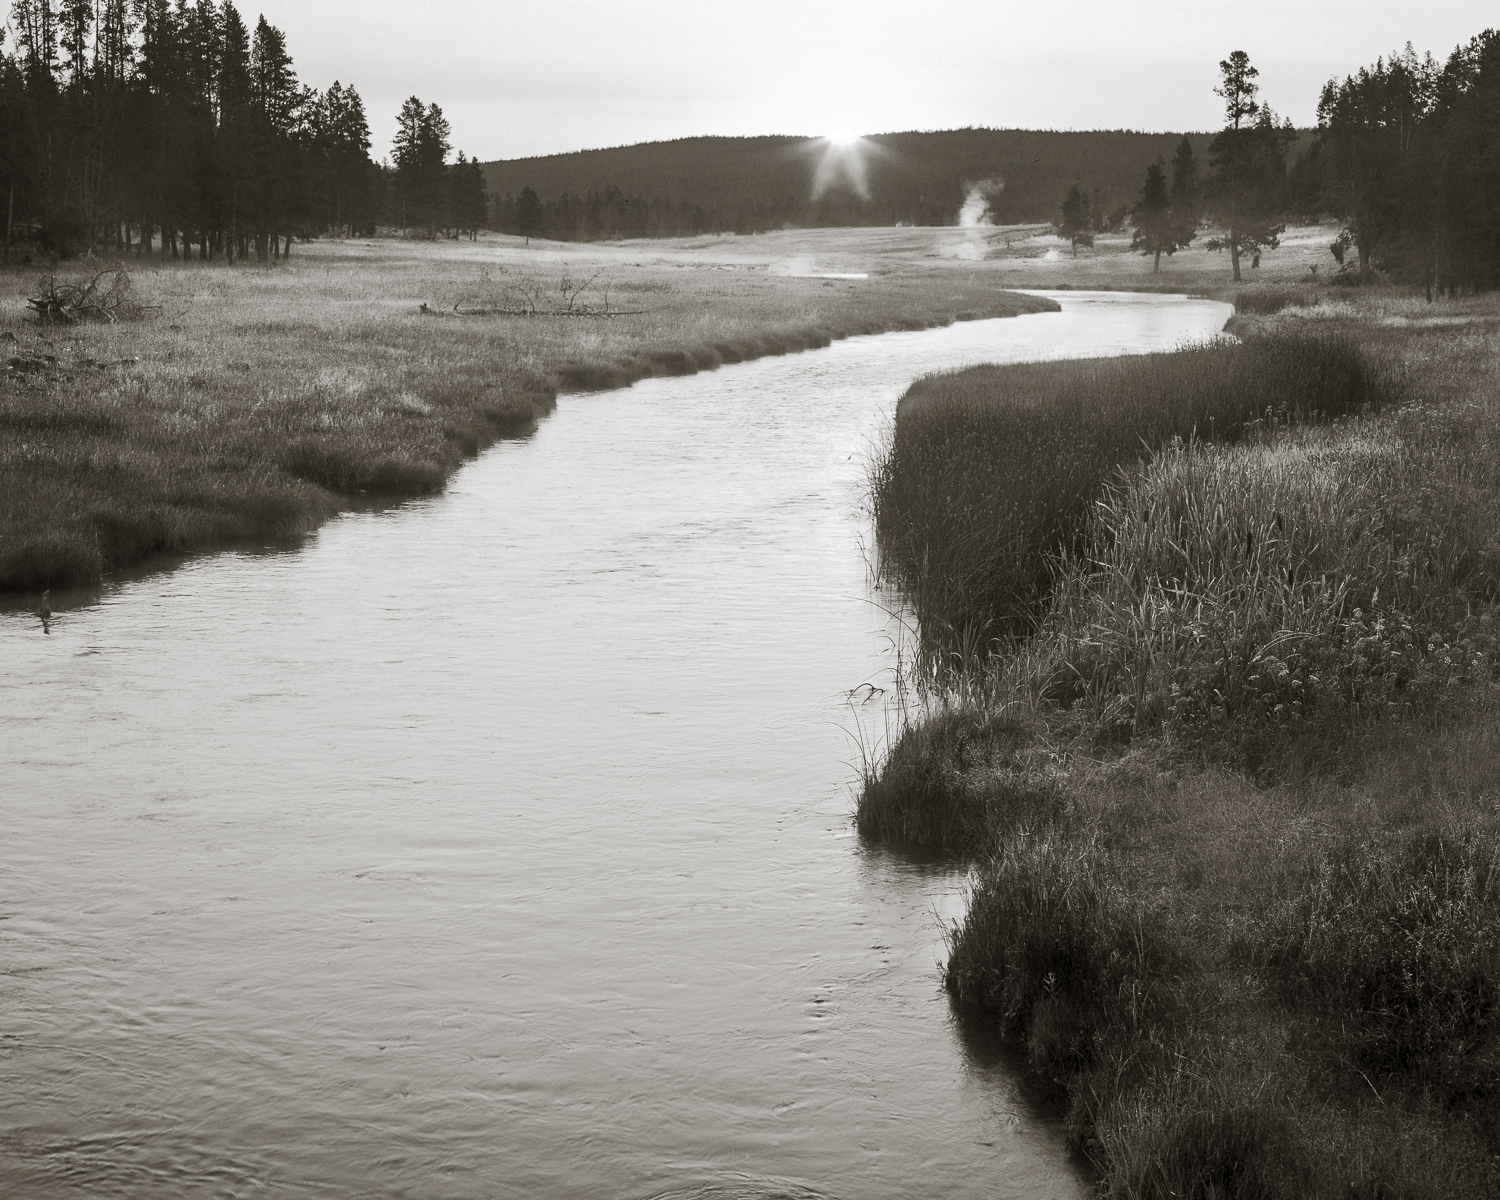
[{"x": 745, "y": 184}]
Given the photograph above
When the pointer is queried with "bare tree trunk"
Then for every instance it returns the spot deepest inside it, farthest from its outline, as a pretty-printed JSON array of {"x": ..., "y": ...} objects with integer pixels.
[
  {"x": 1156, "y": 269},
  {"x": 1234, "y": 252},
  {"x": 10, "y": 216}
]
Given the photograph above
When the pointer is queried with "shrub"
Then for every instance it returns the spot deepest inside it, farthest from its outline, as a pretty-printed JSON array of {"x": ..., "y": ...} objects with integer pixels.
[{"x": 1267, "y": 301}]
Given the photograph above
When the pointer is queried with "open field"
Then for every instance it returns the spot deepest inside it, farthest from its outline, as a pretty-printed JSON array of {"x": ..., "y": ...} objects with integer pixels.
[
  {"x": 1234, "y": 794},
  {"x": 258, "y": 400}
]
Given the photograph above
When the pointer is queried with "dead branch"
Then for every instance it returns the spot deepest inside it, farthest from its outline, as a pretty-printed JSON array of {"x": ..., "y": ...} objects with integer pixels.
[{"x": 108, "y": 295}]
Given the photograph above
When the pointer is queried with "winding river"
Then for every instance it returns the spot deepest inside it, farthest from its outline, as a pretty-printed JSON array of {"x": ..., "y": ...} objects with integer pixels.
[{"x": 498, "y": 844}]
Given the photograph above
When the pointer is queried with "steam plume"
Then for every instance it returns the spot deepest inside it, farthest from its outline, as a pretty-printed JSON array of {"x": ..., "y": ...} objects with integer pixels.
[{"x": 974, "y": 213}]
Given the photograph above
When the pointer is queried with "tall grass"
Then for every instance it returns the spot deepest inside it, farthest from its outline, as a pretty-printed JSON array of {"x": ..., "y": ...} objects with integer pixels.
[
  {"x": 992, "y": 472},
  {"x": 1065, "y": 952},
  {"x": 1317, "y": 576},
  {"x": 1396, "y": 941},
  {"x": 955, "y": 780},
  {"x": 1254, "y": 928}
]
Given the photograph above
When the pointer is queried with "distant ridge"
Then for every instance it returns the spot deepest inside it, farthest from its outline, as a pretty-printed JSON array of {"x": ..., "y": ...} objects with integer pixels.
[{"x": 748, "y": 183}]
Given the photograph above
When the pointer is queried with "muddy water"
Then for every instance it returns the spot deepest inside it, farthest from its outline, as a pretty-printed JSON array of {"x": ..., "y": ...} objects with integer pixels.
[{"x": 497, "y": 845}]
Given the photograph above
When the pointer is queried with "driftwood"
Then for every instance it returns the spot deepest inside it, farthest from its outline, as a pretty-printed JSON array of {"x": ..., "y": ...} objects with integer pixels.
[{"x": 108, "y": 296}]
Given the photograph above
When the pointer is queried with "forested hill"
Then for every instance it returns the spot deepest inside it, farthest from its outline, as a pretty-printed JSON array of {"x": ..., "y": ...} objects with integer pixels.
[{"x": 743, "y": 184}]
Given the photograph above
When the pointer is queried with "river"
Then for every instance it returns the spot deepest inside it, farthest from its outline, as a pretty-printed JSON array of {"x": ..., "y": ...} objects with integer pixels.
[{"x": 498, "y": 844}]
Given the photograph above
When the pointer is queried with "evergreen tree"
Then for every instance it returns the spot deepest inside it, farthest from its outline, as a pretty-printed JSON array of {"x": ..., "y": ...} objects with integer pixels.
[
  {"x": 1248, "y": 161},
  {"x": 343, "y": 138},
  {"x": 1186, "y": 202},
  {"x": 1156, "y": 229},
  {"x": 1368, "y": 125},
  {"x": 529, "y": 215},
  {"x": 468, "y": 203},
  {"x": 420, "y": 149},
  {"x": 1076, "y": 223}
]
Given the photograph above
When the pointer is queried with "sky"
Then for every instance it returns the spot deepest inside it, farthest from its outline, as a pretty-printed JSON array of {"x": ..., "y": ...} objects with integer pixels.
[{"x": 517, "y": 79}]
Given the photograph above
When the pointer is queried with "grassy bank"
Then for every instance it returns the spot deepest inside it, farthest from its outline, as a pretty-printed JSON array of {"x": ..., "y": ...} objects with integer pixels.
[
  {"x": 993, "y": 471},
  {"x": 1234, "y": 798},
  {"x": 259, "y": 400}
]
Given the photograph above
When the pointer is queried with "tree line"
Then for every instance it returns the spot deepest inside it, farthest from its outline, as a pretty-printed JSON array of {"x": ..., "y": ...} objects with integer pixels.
[
  {"x": 603, "y": 214},
  {"x": 1406, "y": 157},
  {"x": 747, "y": 185},
  {"x": 169, "y": 126}
]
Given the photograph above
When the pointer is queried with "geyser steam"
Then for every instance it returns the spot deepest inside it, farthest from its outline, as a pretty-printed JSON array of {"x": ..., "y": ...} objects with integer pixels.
[
  {"x": 974, "y": 213},
  {"x": 975, "y": 210}
]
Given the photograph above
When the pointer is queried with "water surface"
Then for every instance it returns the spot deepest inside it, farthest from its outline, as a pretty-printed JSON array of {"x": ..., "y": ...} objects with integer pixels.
[{"x": 498, "y": 844}]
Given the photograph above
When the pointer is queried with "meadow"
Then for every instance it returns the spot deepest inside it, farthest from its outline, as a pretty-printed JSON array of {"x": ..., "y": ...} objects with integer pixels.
[
  {"x": 250, "y": 403},
  {"x": 1208, "y": 700},
  {"x": 1211, "y": 706}
]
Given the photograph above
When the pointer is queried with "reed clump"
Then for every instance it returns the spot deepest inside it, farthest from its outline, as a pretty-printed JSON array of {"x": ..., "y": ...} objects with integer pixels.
[{"x": 955, "y": 781}]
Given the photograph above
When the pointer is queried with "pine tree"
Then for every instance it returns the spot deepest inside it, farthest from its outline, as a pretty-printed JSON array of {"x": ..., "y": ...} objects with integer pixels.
[
  {"x": 351, "y": 173},
  {"x": 1186, "y": 202},
  {"x": 420, "y": 150},
  {"x": 1367, "y": 129},
  {"x": 469, "y": 204},
  {"x": 529, "y": 215},
  {"x": 1076, "y": 223},
  {"x": 406, "y": 153},
  {"x": 1248, "y": 159},
  {"x": 1155, "y": 228}
]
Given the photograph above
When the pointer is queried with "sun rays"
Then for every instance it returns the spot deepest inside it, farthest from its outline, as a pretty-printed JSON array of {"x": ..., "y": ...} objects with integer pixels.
[{"x": 845, "y": 156}]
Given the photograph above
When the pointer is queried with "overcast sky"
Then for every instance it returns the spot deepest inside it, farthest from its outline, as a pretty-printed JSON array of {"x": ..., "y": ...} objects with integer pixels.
[{"x": 527, "y": 77}]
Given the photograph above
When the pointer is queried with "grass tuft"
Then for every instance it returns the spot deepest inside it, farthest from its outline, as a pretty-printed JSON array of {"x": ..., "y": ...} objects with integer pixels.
[{"x": 955, "y": 781}]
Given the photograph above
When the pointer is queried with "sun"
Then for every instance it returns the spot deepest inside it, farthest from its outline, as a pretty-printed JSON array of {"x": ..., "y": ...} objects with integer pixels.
[{"x": 841, "y": 138}]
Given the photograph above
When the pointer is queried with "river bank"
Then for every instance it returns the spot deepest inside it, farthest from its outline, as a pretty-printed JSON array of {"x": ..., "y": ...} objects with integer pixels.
[
  {"x": 1231, "y": 786},
  {"x": 258, "y": 401}
]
